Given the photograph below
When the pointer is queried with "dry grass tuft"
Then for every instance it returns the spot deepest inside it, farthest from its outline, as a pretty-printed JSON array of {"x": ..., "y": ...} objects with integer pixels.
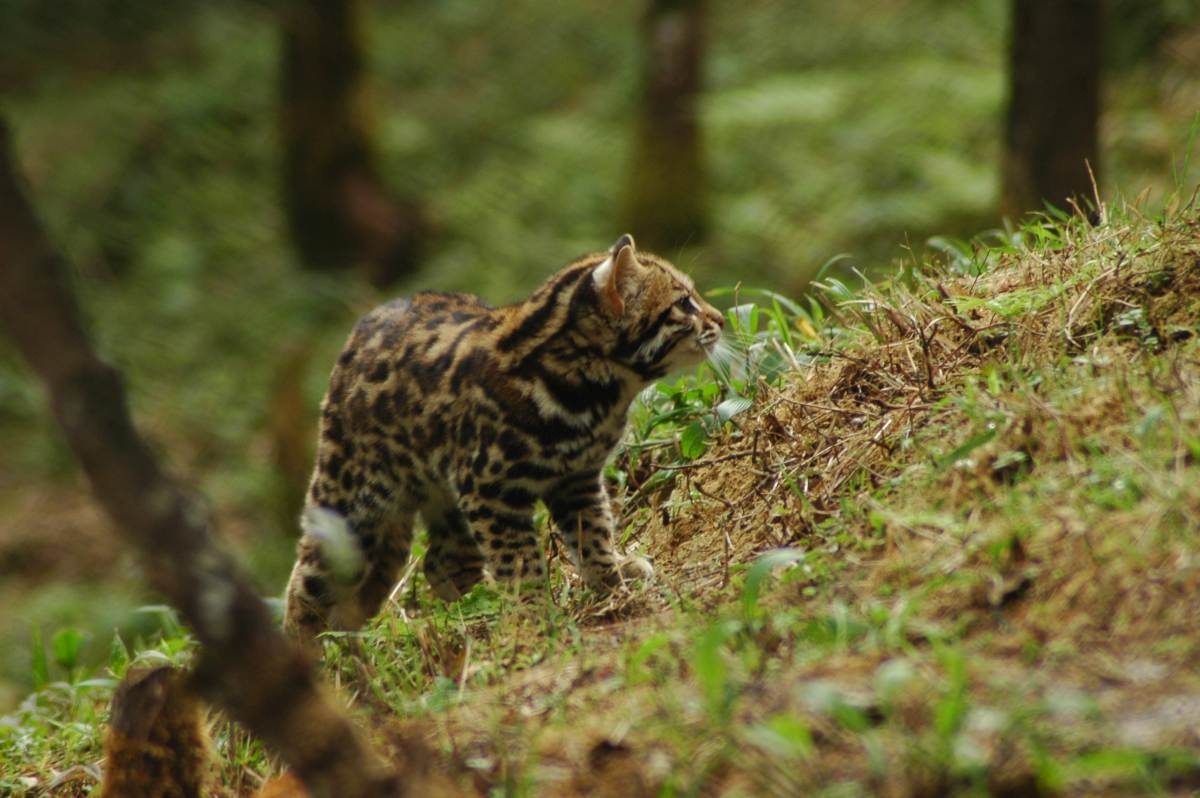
[{"x": 848, "y": 423}]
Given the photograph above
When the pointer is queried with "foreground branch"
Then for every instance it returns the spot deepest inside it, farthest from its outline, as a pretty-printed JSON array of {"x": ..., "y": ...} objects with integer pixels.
[{"x": 245, "y": 665}]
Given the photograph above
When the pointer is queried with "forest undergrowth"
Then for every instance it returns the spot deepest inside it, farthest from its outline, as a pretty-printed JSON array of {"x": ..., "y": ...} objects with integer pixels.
[
  {"x": 931, "y": 534},
  {"x": 153, "y": 156}
]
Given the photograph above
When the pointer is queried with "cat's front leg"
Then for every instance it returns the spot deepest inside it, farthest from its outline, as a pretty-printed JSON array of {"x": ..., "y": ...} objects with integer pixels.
[
  {"x": 500, "y": 518},
  {"x": 581, "y": 510}
]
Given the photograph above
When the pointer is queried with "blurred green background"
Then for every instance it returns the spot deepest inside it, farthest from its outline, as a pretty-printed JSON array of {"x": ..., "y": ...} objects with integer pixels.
[{"x": 148, "y": 132}]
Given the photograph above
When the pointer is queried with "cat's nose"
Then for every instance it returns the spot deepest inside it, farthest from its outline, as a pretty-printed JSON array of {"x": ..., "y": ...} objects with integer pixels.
[{"x": 718, "y": 317}]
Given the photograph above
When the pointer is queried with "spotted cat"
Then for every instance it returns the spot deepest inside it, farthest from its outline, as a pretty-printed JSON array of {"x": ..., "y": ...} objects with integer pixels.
[{"x": 467, "y": 414}]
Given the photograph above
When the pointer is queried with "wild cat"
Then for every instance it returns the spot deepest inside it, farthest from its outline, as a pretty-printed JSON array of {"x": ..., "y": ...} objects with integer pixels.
[{"x": 467, "y": 414}]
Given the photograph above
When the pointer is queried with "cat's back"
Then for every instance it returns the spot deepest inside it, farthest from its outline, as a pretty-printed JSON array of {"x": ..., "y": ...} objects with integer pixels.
[
  {"x": 401, "y": 352},
  {"x": 403, "y": 329},
  {"x": 426, "y": 311}
]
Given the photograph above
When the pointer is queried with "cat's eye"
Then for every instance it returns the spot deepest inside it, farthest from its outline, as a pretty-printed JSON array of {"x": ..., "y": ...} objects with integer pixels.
[{"x": 687, "y": 305}]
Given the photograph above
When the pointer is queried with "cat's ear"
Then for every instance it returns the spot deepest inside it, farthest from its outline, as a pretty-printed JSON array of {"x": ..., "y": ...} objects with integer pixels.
[
  {"x": 625, "y": 240},
  {"x": 614, "y": 271}
]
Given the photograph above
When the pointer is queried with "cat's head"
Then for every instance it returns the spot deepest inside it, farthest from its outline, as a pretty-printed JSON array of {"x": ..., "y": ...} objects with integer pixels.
[{"x": 659, "y": 321}]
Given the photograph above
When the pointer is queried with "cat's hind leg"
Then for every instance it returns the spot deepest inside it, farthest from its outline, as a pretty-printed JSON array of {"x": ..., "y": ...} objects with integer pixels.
[
  {"x": 454, "y": 561},
  {"x": 387, "y": 557},
  {"x": 344, "y": 570}
]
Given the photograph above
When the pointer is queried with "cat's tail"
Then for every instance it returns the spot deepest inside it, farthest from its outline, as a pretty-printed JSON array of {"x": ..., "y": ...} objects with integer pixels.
[
  {"x": 327, "y": 560},
  {"x": 340, "y": 551}
]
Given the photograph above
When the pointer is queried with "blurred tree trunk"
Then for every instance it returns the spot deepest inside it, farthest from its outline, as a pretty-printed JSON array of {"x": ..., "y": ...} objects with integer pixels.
[
  {"x": 157, "y": 743},
  {"x": 339, "y": 212},
  {"x": 664, "y": 202},
  {"x": 245, "y": 664},
  {"x": 1054, "y": 104},
  {"x": 291, "y": 430}
]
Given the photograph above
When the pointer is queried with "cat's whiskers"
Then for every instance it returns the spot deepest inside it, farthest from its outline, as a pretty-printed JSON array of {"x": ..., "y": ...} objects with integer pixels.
[
  {"x": 724, "y": 357},
  {"x": 738, "y": 338}
]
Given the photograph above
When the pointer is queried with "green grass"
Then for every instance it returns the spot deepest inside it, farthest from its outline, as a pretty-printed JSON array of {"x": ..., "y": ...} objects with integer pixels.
[
  {"x": 859, "y": 130},
  {"x": 993, "y": 592}
]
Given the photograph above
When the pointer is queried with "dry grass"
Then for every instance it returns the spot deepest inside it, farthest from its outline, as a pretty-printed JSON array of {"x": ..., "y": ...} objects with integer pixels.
[{"x": 853, "y": 420}]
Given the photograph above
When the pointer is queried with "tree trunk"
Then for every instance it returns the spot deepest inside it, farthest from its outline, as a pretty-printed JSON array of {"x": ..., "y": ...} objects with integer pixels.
[
  {"x": 664, "y": 205},
  {"x": 156, "y": 743},
  {"x": 245, "y": 664},
  {"x": 1054, "y": 104},
  {"x": 290, "y": 425},
  {"x": 339, "y": 213}
]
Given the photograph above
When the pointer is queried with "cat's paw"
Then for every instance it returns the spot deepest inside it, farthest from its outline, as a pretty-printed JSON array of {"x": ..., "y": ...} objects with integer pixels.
[
  {"x": 610, "y": 576},
  {"x": 446, "y": 590},
  {"x": 634, "y": 566}
]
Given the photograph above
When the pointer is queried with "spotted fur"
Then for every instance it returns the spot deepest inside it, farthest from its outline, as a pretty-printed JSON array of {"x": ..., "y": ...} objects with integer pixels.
[{"x": 469, "y": 415}]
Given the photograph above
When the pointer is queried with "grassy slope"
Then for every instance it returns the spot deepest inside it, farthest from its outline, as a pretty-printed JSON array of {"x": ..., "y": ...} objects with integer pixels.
[
  {"x": 829, "y": 127},
  {"x": 157, "y": 173},
  {"x": 986, "y": 474}
]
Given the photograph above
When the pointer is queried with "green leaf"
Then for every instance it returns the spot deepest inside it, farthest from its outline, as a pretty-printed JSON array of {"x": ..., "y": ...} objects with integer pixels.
[
  {"x": 784, "y": 735},
  {"x": 692, "y": 441},
  {"x": 1109, "y": 763},
  {"x": 657, "y": 479},
  {"x": 760, "y": 570},
  {"x": 481, "y": 600},
  {"x": 836, "y": 289},
  {"x": 66, "y": 644},
  {"x": 634, "y": 670},
  {"x": 816, "y": 311},
  {"x": 972, "y": 443},
  {"x": 742, "y": 291},
  {"x": 829, "y": 264},
  {"x": 850, "y": 717},
  {"x": 782, "y": 326},
  {"x": 1009, "y": 458},
  {"x": 711, "y": 669},
  {"x": 951, "y": 708},
  {"x": 40, "y": 665},
  {"x": 959, "y": 254},
  {"x": 787, "y": 304},
  {"x": 166, "y": 616},
  {"x": 741, "y": 316},
  {"x": 118, "y": 656},
  {"x": 733, "y": 406}
]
